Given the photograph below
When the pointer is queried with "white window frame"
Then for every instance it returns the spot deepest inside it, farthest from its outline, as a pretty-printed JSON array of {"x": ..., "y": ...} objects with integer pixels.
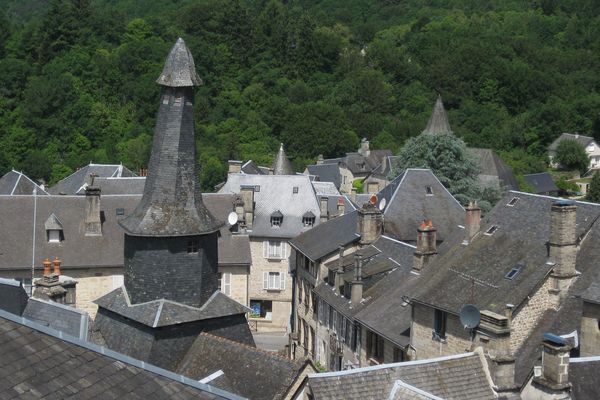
[
  {"x": 226, "y": 283},
  {"x": 53, "y": 235},
  {"x": 275, "y": 249},
  {"x": 274, "y": 280}
]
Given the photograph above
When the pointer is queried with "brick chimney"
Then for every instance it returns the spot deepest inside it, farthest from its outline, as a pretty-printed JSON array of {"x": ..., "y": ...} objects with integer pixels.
[
  {"x": 554, "y": 378},
  {"x": 93, "y": 222},
  {"x": 370, "y": 222},
  {"x": 323, "y": 209},
  {"x": 47, "y": 267},
  {"x": 357, "y": 283},
  {"x": 563, "y": 246},
  {"x": 247, "y": 193},
  {"x": 426, "y": 245},
  {"x": 234, "y": 166},
  {"x": 341, "y": 206},
  {"x": 473, "y": 219}
]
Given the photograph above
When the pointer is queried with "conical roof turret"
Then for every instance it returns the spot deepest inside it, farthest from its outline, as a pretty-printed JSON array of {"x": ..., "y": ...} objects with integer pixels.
[
  {"x": 172, "y": 201},
  {"x": 282, "y": 165},
  {"x": 438, "y": 122},
  {"x": 179, "y": 69}
]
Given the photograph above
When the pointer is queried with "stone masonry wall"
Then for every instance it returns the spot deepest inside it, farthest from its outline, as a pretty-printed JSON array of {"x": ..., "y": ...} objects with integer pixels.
[
  {"x": 527, "y": 317},
  {"x": 590, "y": 330},
  {"x": 239, "y": 283}
]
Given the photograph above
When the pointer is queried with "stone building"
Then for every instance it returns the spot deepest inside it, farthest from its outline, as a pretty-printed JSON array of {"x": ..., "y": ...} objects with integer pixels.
[{"x": 587, "y": 142}]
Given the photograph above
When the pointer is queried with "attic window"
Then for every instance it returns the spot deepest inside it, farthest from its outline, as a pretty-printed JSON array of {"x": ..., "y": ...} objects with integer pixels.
[
  {"x": 512, "y": 201},
  {"x": 295, "y": 189},
  {"x": 54, "y": 229},
  {"x": 276, "y": 219},
  {"x": 120, "y": 211},
  {"x": 308, "y": 219},
  {"x": 361, "y": 166},
  {"x": 428, "y": 191},
  {"x": 513, "y": 272},
  {"x": 491, "y": 230},
  {"x": 257, "y": 188},
  {"x": 54, "y": 236}
]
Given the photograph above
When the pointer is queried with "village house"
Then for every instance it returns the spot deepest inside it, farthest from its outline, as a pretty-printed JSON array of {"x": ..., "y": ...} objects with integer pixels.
[{"x": 587, "y": 142}]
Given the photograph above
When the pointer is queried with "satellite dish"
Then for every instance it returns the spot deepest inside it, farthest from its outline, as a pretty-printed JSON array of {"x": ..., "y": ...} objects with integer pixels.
[
  {"x": 382, "y": 204},
  {"x": 232, "y": 218},
  {"x": 470, "y": 316}
]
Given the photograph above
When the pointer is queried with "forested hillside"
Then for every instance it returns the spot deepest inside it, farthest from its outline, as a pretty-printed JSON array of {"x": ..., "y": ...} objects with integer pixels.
[{"x": 77, "y": 77}]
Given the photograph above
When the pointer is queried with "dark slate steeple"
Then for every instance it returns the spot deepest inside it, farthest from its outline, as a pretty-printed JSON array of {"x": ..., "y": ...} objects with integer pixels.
[
  {"x": 172, "y": 201},
  {"x": 282, "y": 165},
  {"x": 438, "y": 122}
]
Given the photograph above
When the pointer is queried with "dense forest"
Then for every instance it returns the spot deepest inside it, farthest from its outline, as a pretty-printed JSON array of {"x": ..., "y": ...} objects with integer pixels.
[{"x": 77, "y": 77}]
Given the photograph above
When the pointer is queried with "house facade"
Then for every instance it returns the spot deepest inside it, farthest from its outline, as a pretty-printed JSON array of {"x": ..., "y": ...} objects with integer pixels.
[{"x": 587, "y": 142}]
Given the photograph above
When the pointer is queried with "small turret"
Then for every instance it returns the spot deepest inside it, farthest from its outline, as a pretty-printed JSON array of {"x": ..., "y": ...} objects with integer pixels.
[
  {"x": 282, "y": 165},
  {"x": 438, "y": 122}
]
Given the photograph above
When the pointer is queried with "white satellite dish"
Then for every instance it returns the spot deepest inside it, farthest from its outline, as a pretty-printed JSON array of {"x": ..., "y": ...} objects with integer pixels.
[
  {"x": 232, "y": 218},
  {"x": 382, "y": 204}
]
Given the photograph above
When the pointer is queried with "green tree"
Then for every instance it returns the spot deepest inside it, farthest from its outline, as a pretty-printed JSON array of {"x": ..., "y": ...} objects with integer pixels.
[
  {"x": 593, "y": 193},
  {"x": 570, "y": 154}
]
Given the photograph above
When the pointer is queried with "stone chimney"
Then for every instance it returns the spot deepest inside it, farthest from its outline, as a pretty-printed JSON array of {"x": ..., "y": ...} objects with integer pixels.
[
  {"x": 554, "y": 379},
  {"x": 357, "y": 283},
  {"x": 320, "y": 159},
  {"x": 323, "y": 209},
  {"x": 93, "y": 221},
  {"x": 339, "y": 281},
  {"x": 341, "y": 206},
  {"x": 426, "y": 245},
  {"x": 247, "y": 193},
  {"x": 52, "y": 286},
  {"x": 234, "y": 166},
  {"x": 238, "y": 208},
  {"x": 353, "y": 194},
  {"x": 473, "y": 220},
  {"x": 563, "y": 246},
  {"x": 370, "y": 222},
  {"x": 364, "y": 148}
]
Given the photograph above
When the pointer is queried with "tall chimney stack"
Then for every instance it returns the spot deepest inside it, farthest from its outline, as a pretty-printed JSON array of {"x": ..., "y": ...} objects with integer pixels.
[
  {"x": 357, "y": 283},
  {"x": 473, "y": 220},
  {"x": 247, "y": 193},
  {"x": 555, "y": 366},
  {"x": 234, "y": 166},
  {"x": 93, "y": 222},
  {"x": 370, "y": 222},
  {"x": 426, "y": 245},
  {"x": 323, "y": 209},
  {"x": 563, "y": 246}
]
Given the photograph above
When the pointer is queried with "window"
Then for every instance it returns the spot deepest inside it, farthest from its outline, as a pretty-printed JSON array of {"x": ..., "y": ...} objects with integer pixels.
[
  {"x": 334, "y": 324},
  {"x": 120, "y": 211},
  {"x": 300, "y": 286},
  {"x": 512, "y": 202},
  {"x": 398, "y": 355},
  {"x": 308, "y": 221},
  {"x": 440, "y": 319},
  {"x": 193, "y": 246},
  {"x": 428, "y": 191},
  {"x": 307, "y": 295},
  {"x": 491, "y": 230},
  {"x": 54, "y": 229},
  {"x": 276, "y": 219},
  {"x": 274, "y": 249},
  {"x": 274, "y": 281},
  {"x": 54, "y": 236},
  {"x": 295, "y": 189},
  {"x": 261, "y": 309},
  {"x": 374, "y": 348},
  {"x": 226, "y": 283},
  {"x": 257, "y": 188},
  {"x": 513, "y": 272}
]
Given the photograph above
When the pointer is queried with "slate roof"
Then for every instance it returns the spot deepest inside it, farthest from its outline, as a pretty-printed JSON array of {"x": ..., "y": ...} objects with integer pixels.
[
  {"x": 327, "y": 237},
  {"x": 17, "y": 183},
  {"x": 461, "y": 376},
  {"x": 57, "y": 316},
  {"x": 13, "y": 298},
  {"x": 276, "y": 192},
  {"x": 583, "y": 375},
  {"x": 281, "y": 164},
  {"x": 520, "y": 239},
  {"x": 492, "y": 166},
  {"x": 39, "y": 362},
  {"x": 582, "y": 140},
  {"x": 541, "y": 182},
  {"x": 118, "y": 186},
  {"x": 384, "y": 169},
  {"x": 438, "y": 122},
  {"x": 248, "y": 371},
  {"x": 325, "y": 188},
  {"x": 179, "y": 69},
  {"x": 161, "y": 313},
  {"x": 405, "y": 204},
  {"x": 250, "y": 167},
  {"x": 332, "y": 204},
  {"x": 326, "y": 173},
  {"x": 75, "y": 182}
]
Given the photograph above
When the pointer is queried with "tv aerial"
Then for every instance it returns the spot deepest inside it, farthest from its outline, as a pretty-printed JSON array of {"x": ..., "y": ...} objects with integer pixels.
[{"x": 470, "y": 316}]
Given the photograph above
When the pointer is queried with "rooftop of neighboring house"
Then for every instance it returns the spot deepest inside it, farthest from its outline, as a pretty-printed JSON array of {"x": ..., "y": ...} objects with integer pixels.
[
  {"x": 491, "y": 165},
  {"x": 542, "y": 182},
  {"x": 325, "y": 188},
  {"x": 462, "y": 376},
  {"x": 336, "y": 203},
  {"x": 81, "y": 369},
  {"x": 76, "y": 249},
  {"x": 131, "y": 185},
  {"x": 581, "y": 139},
  {"x": 583, "y": 376},
  {"x": 13, "y": 298},
  {"x": 414, "y": 196},
  {"x": 385, "y": 168},
  {"x": 249, "y": 371},
  {"x": 73, "y": 183},
  {"x": 17, "y": 183},
  {"x": 291, "y": 195},
  {"x": 250, "y": 167},
  {"x": 326, "y": 173}
]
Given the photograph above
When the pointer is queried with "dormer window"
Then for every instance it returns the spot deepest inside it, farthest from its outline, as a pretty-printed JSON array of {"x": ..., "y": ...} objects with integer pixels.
[
  {"x": 295, "y": 189},
  {"x": 54, "y": 229},
  {"x": 276, "y": 219},
  {"x": 308, "y": 219}
]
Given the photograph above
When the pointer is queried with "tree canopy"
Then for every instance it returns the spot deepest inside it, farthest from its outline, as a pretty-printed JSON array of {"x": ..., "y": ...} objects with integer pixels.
[
  {"x": 570, "y": 154},
  {"x": 593, "y": 193}
]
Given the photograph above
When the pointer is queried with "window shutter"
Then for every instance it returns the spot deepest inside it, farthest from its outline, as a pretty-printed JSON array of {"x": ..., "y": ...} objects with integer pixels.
[
  {"x": 283, "y": 249},
  {"x": 265, "y": 280},
  {"x": 282, "y": 278},
  {"x": 266, "y": 249}
]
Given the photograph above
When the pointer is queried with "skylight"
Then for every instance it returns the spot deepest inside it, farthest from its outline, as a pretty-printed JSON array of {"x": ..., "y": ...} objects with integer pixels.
[
  {"x": 513, "y": 272},
  {"x": 491, "y": 230},
  {"x": 428, "y": 191},
  {"x": 512, "y": 201}
]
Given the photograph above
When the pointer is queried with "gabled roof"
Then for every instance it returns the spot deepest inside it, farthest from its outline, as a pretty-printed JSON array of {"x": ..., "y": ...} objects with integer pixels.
[
  {"x": 17, "y": 183},
  {"x": 326, "y": 173},
  {"x": 491, "y": 165},
  {"x": 462, "y": 376},
  {"x": 541, "y": 182},
  {"x": 52, "y": 223},
  {"x": 406, "y": 203},
  {"x": 276, "y": 192},
  {"x": 76, "y": 182},
  {"x": 325, "y": 188},
  {"x": 250, "y": 167},
  {"x": 118, "y": 185},
  {"x": 81, "y": 369},
  {"x": 438, "y": 122},
  {"x": 582, "y": 140},
  {"x": 248, "y": 371},
  {"x": 281, "y": 164}
]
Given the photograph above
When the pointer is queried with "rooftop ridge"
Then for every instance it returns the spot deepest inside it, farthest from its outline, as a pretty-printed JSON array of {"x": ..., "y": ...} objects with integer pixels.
[{"x": 551, "y": 197}]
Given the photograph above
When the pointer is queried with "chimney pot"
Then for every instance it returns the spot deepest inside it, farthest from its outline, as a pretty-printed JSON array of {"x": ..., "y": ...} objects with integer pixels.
[
  {"x": 47, "y": 264},
  {"x": 56, "y": 266}
]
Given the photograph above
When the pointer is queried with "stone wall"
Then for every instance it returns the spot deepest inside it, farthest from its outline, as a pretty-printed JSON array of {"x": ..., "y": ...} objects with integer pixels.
[
  {"x": 525, "y": 319},
  {"x": 590, "y": 330},
  {"x": 239, "y": 283}
]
